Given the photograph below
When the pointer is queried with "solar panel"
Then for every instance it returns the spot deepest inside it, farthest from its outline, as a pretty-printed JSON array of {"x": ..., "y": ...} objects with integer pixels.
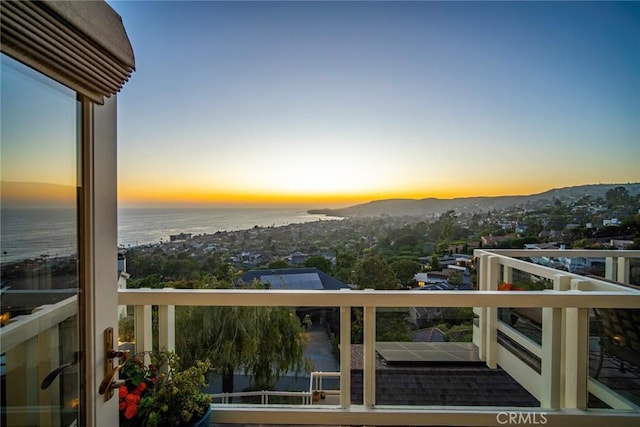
[
  {"x": 397, "y": 352},
  {"x": 300, "y": 281}
]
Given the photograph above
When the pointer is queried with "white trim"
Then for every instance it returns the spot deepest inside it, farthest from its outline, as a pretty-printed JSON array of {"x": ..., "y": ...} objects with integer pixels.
[
  {"x": 360, "y": 298},
  {"x": 102, "y": 271},
  {"x": 22, "y": 328},
  {"x": 427, "y": 416}
]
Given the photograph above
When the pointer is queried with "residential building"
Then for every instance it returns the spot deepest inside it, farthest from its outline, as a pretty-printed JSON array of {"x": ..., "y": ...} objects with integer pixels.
[
  {"x": 294, "y": 279},
  {"x": 72, "y": 58}
]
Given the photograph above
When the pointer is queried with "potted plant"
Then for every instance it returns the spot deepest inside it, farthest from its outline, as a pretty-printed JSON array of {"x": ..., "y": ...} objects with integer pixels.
[{"x": 158, "y": 394}]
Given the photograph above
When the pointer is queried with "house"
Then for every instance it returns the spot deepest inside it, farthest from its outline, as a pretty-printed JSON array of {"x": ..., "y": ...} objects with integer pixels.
[
  {"x": 180, "y": 237},
  {"x": 77, "y": 57},
  {"x": 493, "y": 240},
  {"x": 297, "y": 258},
  {"x": 293, "y": 278},
  {"x": 613, "y": 222}
]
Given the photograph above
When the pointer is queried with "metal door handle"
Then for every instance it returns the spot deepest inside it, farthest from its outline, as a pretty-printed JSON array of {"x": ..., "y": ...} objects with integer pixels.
[
  {"x": 46, "y": 382},
  {"x": 109, "y": 382}
]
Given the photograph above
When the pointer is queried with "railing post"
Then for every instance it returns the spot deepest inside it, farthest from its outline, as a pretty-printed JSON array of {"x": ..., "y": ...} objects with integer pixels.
[
  {"x": 576, "y": 357},
  {"x": 142, "y": 327},
  {"x": 507, "y": 274},
  {"x": 551, "y": 355},
  {"x": 48, "y": 360},
  {"x": 491, "y": 314},
  {"x": 21, "y": 363},
  {"x": 623, "y": 270},
  {"x": 562, "y": 282},
  {"x": 345, "y": 356},
  {"x": 167, "y": 327},
  {"x": 610, "y": 268},
  {"x": 479, "y": 333},
  {"x": 369, "y": 371}
]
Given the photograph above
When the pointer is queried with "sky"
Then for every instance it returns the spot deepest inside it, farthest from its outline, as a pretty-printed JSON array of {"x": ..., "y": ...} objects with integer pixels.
[{"x": 335, "y": 103}]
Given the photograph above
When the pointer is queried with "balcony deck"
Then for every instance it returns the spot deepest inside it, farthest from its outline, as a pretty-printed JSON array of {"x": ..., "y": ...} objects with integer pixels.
[
  {"x": 551, "y": 383},
  {"x": 553, "y": 364}
]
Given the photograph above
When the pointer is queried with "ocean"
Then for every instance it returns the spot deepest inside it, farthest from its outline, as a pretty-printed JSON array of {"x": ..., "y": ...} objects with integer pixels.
[
  {"x": 30, "y": 233},
  {"x": 137, "y": 226}
]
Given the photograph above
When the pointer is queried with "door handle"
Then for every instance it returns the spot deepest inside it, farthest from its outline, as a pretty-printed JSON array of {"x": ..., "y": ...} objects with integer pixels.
[
  {"x": 109, "y": 382},
  {"x": 46, "y": 382}
]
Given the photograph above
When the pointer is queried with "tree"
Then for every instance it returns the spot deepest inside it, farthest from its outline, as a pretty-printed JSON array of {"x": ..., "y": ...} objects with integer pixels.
[
  {"x": 455, "y": 278},
  {"x": 265, "y": 342},
  {"x": 279, "y": 263},
  {"x": 435, "y": 263},
  {"x": 345, "y": 263},
  {"x": 405, "y": 270},
  {"x": 618, "y": 196},
  {"x": 319, "y": 262},
  {"x": 373, "y": 272}
]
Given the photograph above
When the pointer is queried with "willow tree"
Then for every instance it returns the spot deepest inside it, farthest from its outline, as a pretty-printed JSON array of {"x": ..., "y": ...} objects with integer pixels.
[{"x": 263, "y": 342}]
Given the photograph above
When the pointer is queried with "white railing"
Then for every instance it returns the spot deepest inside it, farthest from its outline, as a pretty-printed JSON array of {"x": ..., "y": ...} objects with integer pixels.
[
  {"x": 561, "y": 386},
  {"x": 30, "y": 345},
  {"x": 563, "y": 379},
  {"x": 226, "y": 398},
  {"x": 316, "y": 383},
  {"x": 306, "y": 397}
]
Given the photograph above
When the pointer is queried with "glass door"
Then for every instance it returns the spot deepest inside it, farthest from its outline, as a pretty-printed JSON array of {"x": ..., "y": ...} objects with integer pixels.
[{"x": 40, "y": 340}]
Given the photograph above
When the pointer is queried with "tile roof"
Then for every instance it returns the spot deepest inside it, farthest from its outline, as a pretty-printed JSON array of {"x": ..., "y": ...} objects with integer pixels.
[{"x": 445, "y": 385}]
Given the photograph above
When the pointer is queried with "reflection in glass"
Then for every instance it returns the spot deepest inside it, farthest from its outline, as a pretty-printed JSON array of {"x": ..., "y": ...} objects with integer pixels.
[{"x": 39, "y": 248}]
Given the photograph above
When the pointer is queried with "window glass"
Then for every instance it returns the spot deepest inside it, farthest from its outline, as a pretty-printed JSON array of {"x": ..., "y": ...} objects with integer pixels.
[{"x": 39, "y": 341}]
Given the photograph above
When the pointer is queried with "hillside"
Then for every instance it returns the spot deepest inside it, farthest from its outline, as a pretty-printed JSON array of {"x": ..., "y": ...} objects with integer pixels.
[{"x": 434, "y": 206}]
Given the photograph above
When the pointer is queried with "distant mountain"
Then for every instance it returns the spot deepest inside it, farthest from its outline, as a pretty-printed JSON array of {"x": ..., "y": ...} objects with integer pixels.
[
  {"x": 36, "y": 194},
  {"x": 434, "y": 206}
]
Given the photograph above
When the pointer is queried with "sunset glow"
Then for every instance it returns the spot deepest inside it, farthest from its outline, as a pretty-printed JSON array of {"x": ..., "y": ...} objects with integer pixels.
[{"x": 336, "y": 103}]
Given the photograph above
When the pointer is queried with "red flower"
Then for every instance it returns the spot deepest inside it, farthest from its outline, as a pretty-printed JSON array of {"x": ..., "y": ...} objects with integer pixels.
[
  {"x": 123, "y": 405},
  {"x": 122, "y": 391},
  {"x": 141, "y": 387},
  {"x": 132, "y": 411},
  {"x": 132, "y": 399}
]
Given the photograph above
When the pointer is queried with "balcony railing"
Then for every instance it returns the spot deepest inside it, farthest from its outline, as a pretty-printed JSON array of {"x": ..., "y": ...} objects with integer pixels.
[
  {"x": 316, "y": 385},
  {"x": 561, "y": 383},
  {"x": 28, "y": 342}
]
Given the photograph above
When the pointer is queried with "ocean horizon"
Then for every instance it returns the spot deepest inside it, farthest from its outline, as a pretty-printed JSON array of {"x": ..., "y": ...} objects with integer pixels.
[
  {"x": 163, "y": 222},
  {"x": 32, "y": 232}
]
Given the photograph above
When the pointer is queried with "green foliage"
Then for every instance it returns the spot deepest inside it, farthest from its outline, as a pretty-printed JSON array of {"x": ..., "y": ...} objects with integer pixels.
[
  {"x": 457, "y": 315},
  {"x": 319, "y": 262},
  {"x": 618, "y": 196},
  {"x": 455, "y": 278},
  {"x": 459, "y": 333},
  {"x": 390, "y": 325},
  {"x": 435, "y": 263},
  {"x": 126, "y": 332},
  {"x": 527, "y": 282},
  {"x": 345, "y": 263},
  {"x": 373, "y": 272},
  {"x": 405, "y": 270},
  {"x": 160, "y": 394},
  {"x": 265, "y": 342},
  {"x": 277, "y": 264}
]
